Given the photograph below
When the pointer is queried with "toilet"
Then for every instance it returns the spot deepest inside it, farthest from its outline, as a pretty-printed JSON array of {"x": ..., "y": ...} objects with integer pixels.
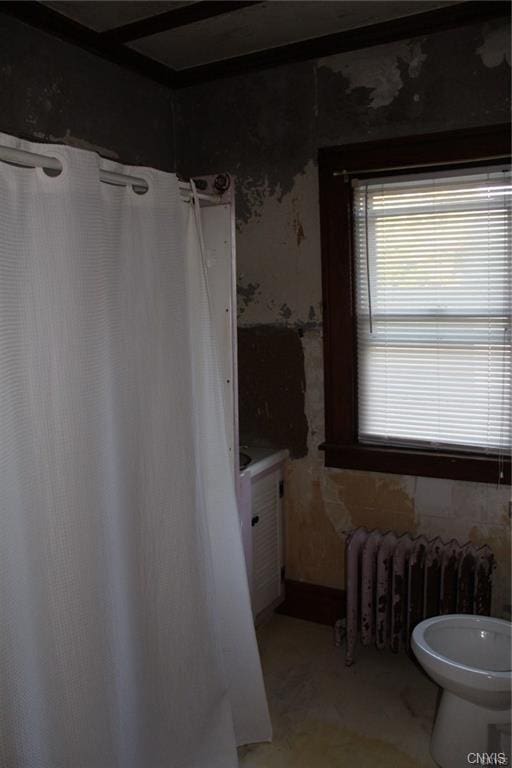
[{"x": 469, "y": 657}]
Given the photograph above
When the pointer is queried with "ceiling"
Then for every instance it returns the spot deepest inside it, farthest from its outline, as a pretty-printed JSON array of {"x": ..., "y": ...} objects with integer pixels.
[
  {"x": 180, "y": 43},
  {"x": 108, "y": 14}
]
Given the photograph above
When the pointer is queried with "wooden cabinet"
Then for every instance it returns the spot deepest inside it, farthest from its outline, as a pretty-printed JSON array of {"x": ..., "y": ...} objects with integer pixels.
[
  {"x": 260, "y": 492},
  {"x": 267, "y": 540}
]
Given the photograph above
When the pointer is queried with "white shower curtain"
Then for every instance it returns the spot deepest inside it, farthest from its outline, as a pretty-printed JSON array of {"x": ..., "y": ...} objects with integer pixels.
[{"x": 126, "y": 637}]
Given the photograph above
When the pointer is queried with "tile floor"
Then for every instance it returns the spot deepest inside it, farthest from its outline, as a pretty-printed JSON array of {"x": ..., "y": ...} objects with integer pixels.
[{"x": 377, "y": 713}]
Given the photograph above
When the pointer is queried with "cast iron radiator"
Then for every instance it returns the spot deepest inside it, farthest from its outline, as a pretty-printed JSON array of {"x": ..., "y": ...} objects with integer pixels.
[{"x": 395, "y": 581}]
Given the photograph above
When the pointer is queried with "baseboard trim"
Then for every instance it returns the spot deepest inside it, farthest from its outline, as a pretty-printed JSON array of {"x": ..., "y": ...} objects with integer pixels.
[{"x": 313, "y": 602}]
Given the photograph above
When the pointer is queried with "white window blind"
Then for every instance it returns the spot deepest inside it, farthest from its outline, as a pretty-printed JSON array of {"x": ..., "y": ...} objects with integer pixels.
[{"x": 433, "y": 286}]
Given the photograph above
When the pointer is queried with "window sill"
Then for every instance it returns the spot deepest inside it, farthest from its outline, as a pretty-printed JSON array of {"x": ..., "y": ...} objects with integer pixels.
[{"x": 478, "y": 468}]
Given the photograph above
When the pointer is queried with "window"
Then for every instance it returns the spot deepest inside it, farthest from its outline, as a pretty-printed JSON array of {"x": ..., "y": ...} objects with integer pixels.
[
  {"x": 416, "y": 241},
  {"x": 432, "y": 273}
]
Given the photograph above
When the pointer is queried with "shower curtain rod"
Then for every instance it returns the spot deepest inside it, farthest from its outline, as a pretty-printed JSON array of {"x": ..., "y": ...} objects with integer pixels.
[{"x": 34, "y": 160}]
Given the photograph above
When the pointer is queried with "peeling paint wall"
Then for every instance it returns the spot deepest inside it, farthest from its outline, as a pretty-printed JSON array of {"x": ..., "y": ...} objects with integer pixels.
[
  {"x": 278, "y": 253},
  {"x": 51, "y": 91},
  {"x": 266, "y": 128}
]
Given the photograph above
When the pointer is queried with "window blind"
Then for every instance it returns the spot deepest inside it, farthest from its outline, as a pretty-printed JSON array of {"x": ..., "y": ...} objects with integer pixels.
[{"x": 433, "y": 298}]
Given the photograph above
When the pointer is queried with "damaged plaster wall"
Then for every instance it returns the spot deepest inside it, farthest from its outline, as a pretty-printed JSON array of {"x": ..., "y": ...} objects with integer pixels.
[
  {"x": 51, "y": 91},
  {"x": 265, "y": 128}
]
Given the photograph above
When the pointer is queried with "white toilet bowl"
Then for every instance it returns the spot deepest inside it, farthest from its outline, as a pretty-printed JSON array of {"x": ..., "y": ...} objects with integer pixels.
[{"x": 469, "y": 657}]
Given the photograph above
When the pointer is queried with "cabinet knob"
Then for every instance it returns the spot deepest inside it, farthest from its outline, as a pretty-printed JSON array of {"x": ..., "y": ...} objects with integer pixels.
[{"x": 255, "y": 520}]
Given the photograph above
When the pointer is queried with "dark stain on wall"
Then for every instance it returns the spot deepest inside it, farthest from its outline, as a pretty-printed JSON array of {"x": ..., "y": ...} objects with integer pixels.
[
  {"x": 53, "y": 91},
  {"x": 246, "y": 294},
  {"x": 260, "y": 127},
  {"x": 271, "y": 388}
]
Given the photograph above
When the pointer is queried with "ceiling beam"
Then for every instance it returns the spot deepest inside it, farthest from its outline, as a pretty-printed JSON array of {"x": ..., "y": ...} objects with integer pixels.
[
  {"x": 179, "y": 17},
  {"x": 415, "y": 25},
  {"x": 50, "y": 21},
  {"x": 448, "y": 17}
]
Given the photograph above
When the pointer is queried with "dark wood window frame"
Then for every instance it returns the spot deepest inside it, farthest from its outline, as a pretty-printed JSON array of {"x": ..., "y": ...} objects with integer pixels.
[{"x": 337, "y": 166}]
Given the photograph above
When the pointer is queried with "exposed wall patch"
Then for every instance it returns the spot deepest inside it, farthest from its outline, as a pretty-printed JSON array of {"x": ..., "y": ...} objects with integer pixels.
[
  {"x": 271, "y": 388},
  {"x": 378, "y": 70},
  {"x": 496, "y": 46}
]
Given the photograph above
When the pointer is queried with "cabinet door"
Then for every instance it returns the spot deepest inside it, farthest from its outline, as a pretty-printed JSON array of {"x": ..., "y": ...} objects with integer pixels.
[{"x": 266, "y": 539}]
